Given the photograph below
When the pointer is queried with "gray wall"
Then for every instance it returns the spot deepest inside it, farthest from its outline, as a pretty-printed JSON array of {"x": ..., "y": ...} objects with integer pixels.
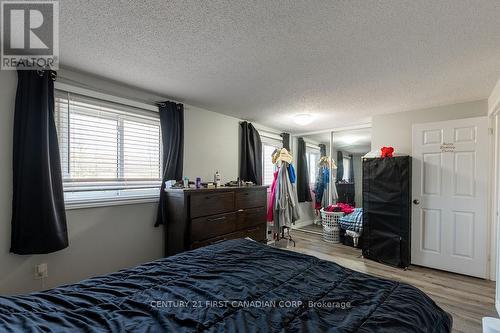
[
  {"x": 106, "y": 239},
  {"x": 395, "y": 129},
  {"x": 210, "y": 144}
]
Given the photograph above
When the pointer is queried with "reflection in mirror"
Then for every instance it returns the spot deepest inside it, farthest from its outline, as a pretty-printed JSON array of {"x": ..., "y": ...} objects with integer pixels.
[
  {"x": 334, "y": 172},
  {"x": 348, "y": 149},
  {"x": 317, "y": 147}
]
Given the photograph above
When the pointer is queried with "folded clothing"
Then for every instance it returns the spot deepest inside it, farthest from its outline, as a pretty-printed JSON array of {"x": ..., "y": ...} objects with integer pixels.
[
  {"x": 340, "y": 207},
  {"x": 353, "y": 221}
]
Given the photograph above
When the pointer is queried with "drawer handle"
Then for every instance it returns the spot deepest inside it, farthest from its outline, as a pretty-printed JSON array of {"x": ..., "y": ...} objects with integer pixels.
[
  {"x": 220, "y": 240},
  {"x": 217, "y": 219},
  {"x": 253, "y": 229}
]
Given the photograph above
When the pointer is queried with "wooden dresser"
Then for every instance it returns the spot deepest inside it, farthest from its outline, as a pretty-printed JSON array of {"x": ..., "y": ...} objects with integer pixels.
[{"x": 200, "y": 217}]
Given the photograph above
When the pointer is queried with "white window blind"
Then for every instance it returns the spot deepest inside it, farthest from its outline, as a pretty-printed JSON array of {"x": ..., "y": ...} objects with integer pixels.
[
  {"x": 267, "y": 163},
  {"x": 270, "y": 142},
  {"x": 347, "y": 169},
  {"x": 108, "y": 150},
  {"x": 312, "y": 164}
]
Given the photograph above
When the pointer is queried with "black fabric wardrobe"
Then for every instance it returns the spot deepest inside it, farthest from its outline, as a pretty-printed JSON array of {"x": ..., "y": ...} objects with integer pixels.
[{"x": 387, "y": 210}]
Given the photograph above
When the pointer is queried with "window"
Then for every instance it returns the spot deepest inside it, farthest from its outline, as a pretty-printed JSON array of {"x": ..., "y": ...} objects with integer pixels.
[
  {"x": 347, "y": 169},
  {"x": 268, "y": 149},
  {"x": 270, "y": 142},
  {"x": 109, "y": 151},
  {"x": 312, "y": 164}
]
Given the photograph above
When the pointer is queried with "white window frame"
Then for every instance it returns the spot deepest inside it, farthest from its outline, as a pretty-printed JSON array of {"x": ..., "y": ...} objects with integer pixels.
[
  {"x": 270, "y": 140},
  {"x": 109, "y": 194},
  {"x": 312, "y": 150},
  {"x": 347, "y": 168}
]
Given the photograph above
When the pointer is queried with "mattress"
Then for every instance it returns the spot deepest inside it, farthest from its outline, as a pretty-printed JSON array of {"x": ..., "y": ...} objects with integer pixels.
[{"x": 234, "y": 286}]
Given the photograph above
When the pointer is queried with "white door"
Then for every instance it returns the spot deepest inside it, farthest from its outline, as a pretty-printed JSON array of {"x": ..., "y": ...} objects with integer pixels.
[{"x": 450, "y": 195}]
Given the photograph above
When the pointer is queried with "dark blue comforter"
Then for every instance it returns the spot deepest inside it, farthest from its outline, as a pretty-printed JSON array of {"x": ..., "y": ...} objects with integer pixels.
[{"x": 235, "y": 286}]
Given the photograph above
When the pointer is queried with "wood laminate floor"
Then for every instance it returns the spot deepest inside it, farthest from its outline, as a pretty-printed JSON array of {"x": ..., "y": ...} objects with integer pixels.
[
  {"x": 466, "y": 298},
  {"x": 314, "y": 228}
]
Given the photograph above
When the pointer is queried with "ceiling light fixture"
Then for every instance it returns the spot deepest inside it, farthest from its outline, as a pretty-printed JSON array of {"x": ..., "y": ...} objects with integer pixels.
[
  {"x": 303, "y": 119},
  {"x": 350, "y": 139}
]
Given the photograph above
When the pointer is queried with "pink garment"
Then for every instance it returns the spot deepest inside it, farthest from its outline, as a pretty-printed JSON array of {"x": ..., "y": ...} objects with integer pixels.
[
  {"x": 340, "y": 207},
  {"x": 272, "y": 197}
]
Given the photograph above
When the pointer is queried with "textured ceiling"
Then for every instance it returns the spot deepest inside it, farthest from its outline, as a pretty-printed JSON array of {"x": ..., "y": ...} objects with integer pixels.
[{"x": 264, "y": 61}]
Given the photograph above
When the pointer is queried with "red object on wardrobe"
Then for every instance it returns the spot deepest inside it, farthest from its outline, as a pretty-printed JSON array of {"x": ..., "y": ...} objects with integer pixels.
[{"x": 386, "y": 151}]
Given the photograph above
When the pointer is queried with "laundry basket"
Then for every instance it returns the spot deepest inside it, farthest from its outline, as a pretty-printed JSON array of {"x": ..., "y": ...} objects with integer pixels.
[{"x": 331, "y": 226}]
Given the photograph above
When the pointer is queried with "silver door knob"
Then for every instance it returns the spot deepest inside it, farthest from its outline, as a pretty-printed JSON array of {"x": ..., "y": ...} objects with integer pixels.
[{"x": 416, "y": 202}]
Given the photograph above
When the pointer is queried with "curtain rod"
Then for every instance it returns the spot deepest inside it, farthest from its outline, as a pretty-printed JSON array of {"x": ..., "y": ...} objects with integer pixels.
[
  {"x": 80, "y": 84},
  {"x": 262, "y": 127}
]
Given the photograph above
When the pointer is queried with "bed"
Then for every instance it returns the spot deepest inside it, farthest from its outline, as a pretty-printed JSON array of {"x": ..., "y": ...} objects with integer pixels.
[{"x": 233, "y": 286}]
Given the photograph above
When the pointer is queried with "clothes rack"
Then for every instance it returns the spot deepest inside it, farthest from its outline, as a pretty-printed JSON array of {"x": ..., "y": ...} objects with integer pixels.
[{"x": 283, "y": 201}]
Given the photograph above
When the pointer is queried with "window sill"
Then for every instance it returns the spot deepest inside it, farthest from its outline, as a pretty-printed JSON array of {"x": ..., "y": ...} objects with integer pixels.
[{"x": 108, "y": 202}]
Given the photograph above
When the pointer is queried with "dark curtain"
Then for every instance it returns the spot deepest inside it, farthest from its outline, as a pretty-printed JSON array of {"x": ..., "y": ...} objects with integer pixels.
[
  {"x": 38, "y": 212},
  {"x": 351, "y": 169},
  {"x": 322, "y": 149},
  {"x": 286, "y": 140},
  {"x": 172, "y": 135},
  {"x": 250, "y": 154},
  {"x": 340, "y": 166},
  {"x": 303, "y": 191}
]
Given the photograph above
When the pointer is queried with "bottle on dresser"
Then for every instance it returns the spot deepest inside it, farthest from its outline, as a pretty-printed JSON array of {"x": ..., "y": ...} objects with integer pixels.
[{"x": 217, "y": 179}]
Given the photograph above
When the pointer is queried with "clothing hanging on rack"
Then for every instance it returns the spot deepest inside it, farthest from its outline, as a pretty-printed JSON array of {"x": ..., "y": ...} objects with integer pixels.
[
  {"x": 283, "y": 203},
  {"x": 291, "y": 173},
  {"x": 286, "y": 202},
  {"x": 272, "y": 196},
  {"x": 322, "y": 180},
  {"x": 333, "y": 189}
]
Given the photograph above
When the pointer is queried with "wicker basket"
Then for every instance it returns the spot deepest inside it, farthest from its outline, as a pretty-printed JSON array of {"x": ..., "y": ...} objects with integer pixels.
[{"x": 331, "y": 226}]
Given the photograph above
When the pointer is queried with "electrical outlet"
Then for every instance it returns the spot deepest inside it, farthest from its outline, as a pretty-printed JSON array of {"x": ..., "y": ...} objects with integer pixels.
[{"x": 41, "y": 271}]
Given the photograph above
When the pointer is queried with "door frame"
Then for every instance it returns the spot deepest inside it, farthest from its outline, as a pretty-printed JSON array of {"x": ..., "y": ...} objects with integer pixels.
[
  {"x": 494, "y": 195},
  {"x": 494, "y": 118}
]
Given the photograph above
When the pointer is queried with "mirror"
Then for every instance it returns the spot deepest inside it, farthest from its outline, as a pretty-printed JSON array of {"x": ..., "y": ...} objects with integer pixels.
[
  {"x": 342, "y": 183},
  {"x": 348, "y": 149}
]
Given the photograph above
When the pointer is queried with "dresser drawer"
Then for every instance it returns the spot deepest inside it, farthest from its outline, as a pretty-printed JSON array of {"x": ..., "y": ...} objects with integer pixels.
[
  {"x": 257, "y": 233},
  {"x": 250, "y": 198},
  {"x": 211, "y": 203},
  {"x": 212, "y": 226},
  {"x": 215, "y": 240},
  {"x": 251, "y": 217}
]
